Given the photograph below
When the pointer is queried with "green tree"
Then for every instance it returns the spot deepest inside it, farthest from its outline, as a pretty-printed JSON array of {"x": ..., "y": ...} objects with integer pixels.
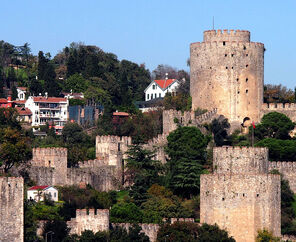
[
  {"x": 14, "y": 95},
  {"x": 125, "y": 212},
  {"x": 30, "y": 224},
  {"x": 274, "y": 125},
  {"x": 190, "y": 232},
  {"x": 76, "y": 83},
  {"x": 56, "y": 230},
  {"x": 187, "y": 154},
  {"x": 219, "y": 129},
  {"x": 142, "y": 170},
  {"x": 266, "y": 236},
  {"x": 15, "y": 148}
]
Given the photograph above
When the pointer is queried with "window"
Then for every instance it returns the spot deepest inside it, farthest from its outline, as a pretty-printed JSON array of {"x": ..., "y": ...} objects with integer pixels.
[
  {"x": 247, "y": 91},
  {"x": 247, "y": 66},
  {"x": 159, "y": 94},
  {"x": 155, "y": 95},
  {"x": 247, "y": 79},
  {"x": 224, "y": 43},
  {"x": 153, "y": 86},
  {"x": 55, "y": 194},
  {"x": 232, "y": 55},
  {"x": 147, "y": 96},
  {"x": 225, "y": 55}
]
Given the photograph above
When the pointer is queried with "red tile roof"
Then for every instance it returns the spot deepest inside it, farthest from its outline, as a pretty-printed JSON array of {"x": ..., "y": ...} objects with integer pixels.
[
  {"x": 23, "y": 111},
  {"x": 3, "y": 100},
  {"x": 20, "y": 101},
  {"x": 50, "y": 99},
  {"x": 38, "y": 187},
  {"x": 120, "y": 114},
  {"x": 165, "y": 83}
]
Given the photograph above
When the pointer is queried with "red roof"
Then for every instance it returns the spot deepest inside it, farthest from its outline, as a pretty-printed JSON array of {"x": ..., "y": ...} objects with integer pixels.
[
  {"x": 3, "y": 100},
  {"x": 165, "y": 83},
  {"x": 23, "y": 111},
  {"x": 20, "y": 101},
  {"x": 38, "y": 187},
  {"x": 50, "y": 99},
  {"x": 120, "y": 114}
]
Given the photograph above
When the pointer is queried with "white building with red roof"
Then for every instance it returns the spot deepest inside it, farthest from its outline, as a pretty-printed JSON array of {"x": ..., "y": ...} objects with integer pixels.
[
  {"x": 21, "y": 93},
  {"x": 158, "y": 88},
  {"x": 51, "y": 110},
  {"x": 38, "y": 193}
]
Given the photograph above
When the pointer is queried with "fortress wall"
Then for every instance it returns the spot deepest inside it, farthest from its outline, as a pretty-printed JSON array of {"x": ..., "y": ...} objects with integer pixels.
[
  {"x": 288, "y": 169},
  {"x": 94, "y": 220},
  {"x": 289, "y": 109},
  {"x": 11, "y": 209},
  {"x": 240, "y": 160},
  {"x": 241, "y": 204}
]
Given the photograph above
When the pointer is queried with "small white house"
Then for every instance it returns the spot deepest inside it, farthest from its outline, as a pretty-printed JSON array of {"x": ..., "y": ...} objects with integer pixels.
[
  {"x": 21, "y": 93},
  {"x": 37, "y": 193},
  {"x": 158, "y": 88}
]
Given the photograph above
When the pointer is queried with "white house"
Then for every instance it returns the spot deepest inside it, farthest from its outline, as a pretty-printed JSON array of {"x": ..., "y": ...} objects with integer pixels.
[
  {"x": 158, "y": 88},
  {"x": 38, "y": 193},
  {"x": 52, "y": 110},
  {"x": 21, "y": 93}
]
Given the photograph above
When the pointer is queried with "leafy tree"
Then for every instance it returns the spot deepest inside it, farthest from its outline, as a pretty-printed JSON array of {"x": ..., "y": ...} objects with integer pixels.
[
  {"x": 14, "y": 95},
  {"x": 76, "y": 83},
  {"x": 180, "y": 102},
  {"x": 35, "y": 87},
  {"x": 125, "y": 212},
  {"x": 142, "y": 170},
  {"x": 278, "y": 94},
  {"x": 56, "y": 230},
  {"x": 161, "y": 203},
  {"x": 183, "y": 232},
  {"x": 274, "y": 125},
  {"x": 219, "y": 129},
  {"x": 279, "y": 150},
  {"x": 15, "y": 148},
  {"x": 187, "y": 154},
  {"x": 266, "y": 236},
  {"x": 8, "y": 118},
  {"x": 30, "y": 224}
]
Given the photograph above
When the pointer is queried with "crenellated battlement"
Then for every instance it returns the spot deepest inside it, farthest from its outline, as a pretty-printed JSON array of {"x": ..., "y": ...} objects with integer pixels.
[
  {"x": 283, "y": 166},
  {"x": 240, "y": 160},
  {"x": 114, "y": 139},
  {"x": 95, "y": 220},
  {"x": 93, "y": 163},
  {"x": 279, "y": 106},
  {"x": 226, "y": 35},
  {"x": 218, "y": 44},
  {"x": 52, "y": 151}
]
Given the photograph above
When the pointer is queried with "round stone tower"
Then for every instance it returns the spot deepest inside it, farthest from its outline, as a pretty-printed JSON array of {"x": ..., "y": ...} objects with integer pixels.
[{"x": 226, "y": 72}]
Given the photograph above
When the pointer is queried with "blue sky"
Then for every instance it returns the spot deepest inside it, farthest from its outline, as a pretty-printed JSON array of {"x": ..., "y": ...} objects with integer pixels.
[{"x": 153, "y": 31}]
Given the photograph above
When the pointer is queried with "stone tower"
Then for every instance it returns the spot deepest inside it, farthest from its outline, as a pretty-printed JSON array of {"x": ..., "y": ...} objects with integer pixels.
[
  {"x": 241, "y": 196},
  {"x": 11, "y": 209},
  {"x": 226, "y": 72}
]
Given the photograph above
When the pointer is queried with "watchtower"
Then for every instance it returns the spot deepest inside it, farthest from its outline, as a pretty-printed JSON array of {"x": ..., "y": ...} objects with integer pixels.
[
  {"x": 226, "y": 72},
  {"x": 240, "y": 196}
]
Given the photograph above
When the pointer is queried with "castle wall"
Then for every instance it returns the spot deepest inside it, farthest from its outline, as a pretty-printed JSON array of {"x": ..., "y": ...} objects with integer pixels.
[
  {"x": 11, "y": 209},
  {"x": 241, "y": 196},
  {"x": 52, "y": 158},
  {"x": 288, "y": 170},
  {"x": 112, "y": 148},
  {"x": 157, "y": 144},
  {"x": 289, "y": 109},
  {"x": 226, "y": 72},
  {"x": 94, "y": 220},
  {"x": 241, "y": 204},
  {"x": 240, "y": 160}
]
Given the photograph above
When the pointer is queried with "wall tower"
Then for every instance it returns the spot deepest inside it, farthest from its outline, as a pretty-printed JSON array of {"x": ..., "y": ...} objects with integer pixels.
[
  {"x": 226, "y": 72},
  {"x": 241, "y": 196}
]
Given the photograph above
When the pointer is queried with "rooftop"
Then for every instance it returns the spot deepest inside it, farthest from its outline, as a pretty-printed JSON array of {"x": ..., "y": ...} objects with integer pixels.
[
  {"x": 50, "y": 99},
  {"x": 165, "y": 83}
]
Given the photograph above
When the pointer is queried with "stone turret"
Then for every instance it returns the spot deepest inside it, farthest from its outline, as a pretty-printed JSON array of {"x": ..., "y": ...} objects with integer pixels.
[
  {"x": 241, "y": 196},
  {"x": 226, "y": 72}
]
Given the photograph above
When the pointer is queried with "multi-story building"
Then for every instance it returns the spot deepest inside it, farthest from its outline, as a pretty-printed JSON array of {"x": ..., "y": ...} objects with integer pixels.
[{"x": 51, "y": 110}]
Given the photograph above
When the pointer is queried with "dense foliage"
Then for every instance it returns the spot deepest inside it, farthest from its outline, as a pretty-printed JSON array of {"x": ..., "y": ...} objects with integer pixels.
[
  {"x": 190, "y": 232},
  {"x": 187, "y": 154}
]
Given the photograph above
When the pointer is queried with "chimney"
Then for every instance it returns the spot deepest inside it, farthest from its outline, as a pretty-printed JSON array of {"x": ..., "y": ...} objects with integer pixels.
[
  {"x": 9, "y": 98},
  {"x": 46, "y": 95}
]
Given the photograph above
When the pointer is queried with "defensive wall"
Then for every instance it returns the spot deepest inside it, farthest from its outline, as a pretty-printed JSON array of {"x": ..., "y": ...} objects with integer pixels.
[
  {"x": 11, "y": 209},
  {"x": 98, "y": 220},
  {"x": 240, "y": 196},
  {"x": 157, "y": 145},
  {"x": 94, "y": 220},
  {"x": 49, "y": 167},
  {"x": 289, "y": 109}
]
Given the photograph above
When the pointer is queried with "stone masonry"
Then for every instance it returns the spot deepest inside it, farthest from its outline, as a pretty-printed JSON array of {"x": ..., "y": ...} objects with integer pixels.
[
  {"x": 240, "y": 196},
  {"x": 94, "y": 220},
  {"x": 226, "y": 72},
  {"x": 11, "y": 209}
]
